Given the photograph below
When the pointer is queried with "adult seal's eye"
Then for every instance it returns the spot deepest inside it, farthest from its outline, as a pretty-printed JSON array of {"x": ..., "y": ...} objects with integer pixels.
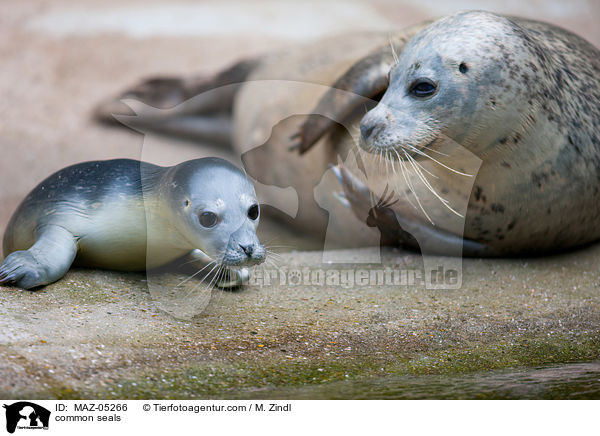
[
  {"x": 253, "y": 212},
  {"x": 422, "y": 88},
  {"x": 208, "y": 219}
]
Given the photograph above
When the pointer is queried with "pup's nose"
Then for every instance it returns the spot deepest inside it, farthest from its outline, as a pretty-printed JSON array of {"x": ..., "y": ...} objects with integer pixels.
[{"x": 248, "y": 249}]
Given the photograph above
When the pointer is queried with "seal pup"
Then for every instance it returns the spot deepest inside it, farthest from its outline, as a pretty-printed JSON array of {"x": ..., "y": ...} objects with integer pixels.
[
  {"x": 521, "y": 96},
  {"x": 129, "y": 215}
]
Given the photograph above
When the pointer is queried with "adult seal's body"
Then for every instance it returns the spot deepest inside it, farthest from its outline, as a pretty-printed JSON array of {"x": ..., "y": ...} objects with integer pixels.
[
  {"x": 491, "y": 119},
  {"x": 129, "y": 215}
]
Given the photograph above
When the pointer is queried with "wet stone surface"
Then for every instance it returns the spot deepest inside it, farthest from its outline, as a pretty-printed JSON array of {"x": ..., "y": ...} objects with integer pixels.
[{"x": 98, "y": 334}]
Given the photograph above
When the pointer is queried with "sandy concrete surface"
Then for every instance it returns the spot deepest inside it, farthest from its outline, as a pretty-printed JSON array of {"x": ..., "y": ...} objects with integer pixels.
[{"x": 99, "y": 334}]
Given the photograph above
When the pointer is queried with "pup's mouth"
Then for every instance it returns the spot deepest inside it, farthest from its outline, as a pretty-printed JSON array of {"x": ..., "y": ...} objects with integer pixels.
[
  {"x": 239, "y": 258},
  {"x": 243, "y": 262}
]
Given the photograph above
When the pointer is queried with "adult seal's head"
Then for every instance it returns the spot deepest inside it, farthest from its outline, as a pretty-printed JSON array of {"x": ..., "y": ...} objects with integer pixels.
[
  {"x": 522, "y": 96},
  {"x": 489, "y": 124},
  {"x": 216, "y": 209},
  {"x": 475, "y": 77}
]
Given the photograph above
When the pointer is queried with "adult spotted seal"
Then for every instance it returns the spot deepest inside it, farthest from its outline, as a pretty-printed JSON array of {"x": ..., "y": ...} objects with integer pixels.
[
  {"x": 518, "y": 97},
  {"x": 129, "y": 215}
]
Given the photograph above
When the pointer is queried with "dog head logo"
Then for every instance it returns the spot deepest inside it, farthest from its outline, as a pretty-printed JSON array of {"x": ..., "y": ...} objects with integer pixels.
[{"x": 26, "y": 415}]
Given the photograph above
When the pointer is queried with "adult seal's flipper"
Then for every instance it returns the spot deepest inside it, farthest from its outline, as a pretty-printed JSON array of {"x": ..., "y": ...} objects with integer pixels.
[
  {"x": 409, "y": 231},
  {"x": 168, "y": 92},
  {"x": 192, "y": 107}
]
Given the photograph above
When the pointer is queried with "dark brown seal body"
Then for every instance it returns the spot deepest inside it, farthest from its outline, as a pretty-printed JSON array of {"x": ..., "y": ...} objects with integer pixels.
[{"x": 508, "y": 107}]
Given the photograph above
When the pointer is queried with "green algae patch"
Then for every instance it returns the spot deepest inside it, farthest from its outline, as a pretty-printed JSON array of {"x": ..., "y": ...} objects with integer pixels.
[
  {"x": 526, "y": 352},
  {"x": 224, "y": 381},
  {"x": 255, "y": 377}
]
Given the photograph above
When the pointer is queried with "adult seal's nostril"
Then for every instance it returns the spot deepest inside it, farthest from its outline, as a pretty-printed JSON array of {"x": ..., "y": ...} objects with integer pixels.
[
  {"x": 368, "y": 129},
  {"x": 248, "y": 249}
]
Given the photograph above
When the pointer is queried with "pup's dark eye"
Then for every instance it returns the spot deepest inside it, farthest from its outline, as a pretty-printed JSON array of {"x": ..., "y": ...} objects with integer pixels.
[
  {"x": 422, "y": 88},
  {"x": 208, "y": 219},
  {"x": 253, "y": 212}
]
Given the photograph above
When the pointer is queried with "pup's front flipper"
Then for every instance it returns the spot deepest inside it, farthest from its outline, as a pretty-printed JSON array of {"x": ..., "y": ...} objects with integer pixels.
[
  {"x": 228, "y": 278},
  {"x": 232, "y": 278},
  {"x": 45, "y": 262}
]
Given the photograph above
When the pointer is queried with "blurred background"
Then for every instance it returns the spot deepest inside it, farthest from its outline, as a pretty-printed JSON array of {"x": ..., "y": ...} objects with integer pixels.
[{"x": 60, "y": 58}]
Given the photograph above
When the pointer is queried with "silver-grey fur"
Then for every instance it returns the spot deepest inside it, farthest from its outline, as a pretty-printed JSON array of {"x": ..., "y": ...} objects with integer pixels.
[
  {"x": 128, "y": 215},
  {"x": 526, "y": 102}
]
